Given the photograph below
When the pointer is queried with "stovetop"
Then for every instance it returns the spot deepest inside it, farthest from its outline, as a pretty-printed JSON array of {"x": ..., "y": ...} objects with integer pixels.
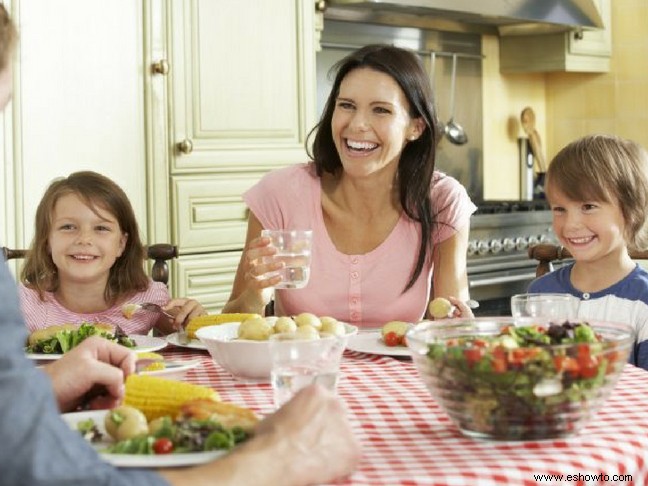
[{"x": 500, "y": 207}]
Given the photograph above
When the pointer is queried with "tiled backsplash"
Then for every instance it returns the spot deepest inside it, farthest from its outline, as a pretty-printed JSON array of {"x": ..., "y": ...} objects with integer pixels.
[{"x": 567, "y": 105}]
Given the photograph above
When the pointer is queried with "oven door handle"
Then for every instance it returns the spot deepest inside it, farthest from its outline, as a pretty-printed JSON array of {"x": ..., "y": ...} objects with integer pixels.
[{"x": 500, "y": 280}]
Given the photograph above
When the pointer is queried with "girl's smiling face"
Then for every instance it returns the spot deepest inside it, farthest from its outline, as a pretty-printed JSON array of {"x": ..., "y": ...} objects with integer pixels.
[
  {"x": 371, "y": 122},
  {"x": 84, "y": 241},
  {"x": 590, "y": 230}
]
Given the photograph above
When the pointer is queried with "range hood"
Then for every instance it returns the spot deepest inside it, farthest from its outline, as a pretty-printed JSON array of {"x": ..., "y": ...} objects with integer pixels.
[{"x": 501, "y": 17}]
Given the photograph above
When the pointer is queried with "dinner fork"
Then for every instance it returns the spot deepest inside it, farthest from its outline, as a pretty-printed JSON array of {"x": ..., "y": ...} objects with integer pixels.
[
  {"x": 181, "y": 333},
  {"x": 151, "y": 307}
]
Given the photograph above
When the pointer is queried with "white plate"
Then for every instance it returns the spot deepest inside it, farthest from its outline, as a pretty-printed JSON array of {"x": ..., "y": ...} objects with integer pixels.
[
  {"x": 144, "y": 344},
  {"x": 371, "y": 342},
  {"x": 193, "y": 343},
  {"x": 175, "y": 372},
  {"x": 136, "y": 460}
]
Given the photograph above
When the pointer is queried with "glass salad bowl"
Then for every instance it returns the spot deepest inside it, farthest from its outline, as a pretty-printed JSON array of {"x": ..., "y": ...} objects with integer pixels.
[{"x": 506, "y": 379}]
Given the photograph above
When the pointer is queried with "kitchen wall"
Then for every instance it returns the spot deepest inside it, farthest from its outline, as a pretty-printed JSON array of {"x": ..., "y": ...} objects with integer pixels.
[
  {"x": 614, "y": 102},
  {"x": 505, "y": 96},
  {"x": 567, "y": 105}
]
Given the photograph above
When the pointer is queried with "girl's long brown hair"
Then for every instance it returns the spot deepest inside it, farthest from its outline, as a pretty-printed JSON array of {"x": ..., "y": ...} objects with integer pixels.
[{"x": 127, "y": 275}]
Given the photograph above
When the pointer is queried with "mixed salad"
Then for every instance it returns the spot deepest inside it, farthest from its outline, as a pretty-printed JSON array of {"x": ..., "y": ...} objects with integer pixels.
[
  {"x": 162, "y": 436},
  {"x": 65, "y": 339},
  {"x": 518, "y": 382}
]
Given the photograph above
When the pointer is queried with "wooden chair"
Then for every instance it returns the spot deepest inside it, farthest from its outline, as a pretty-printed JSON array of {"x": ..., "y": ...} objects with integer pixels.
[
  {"x": 546, "y": 254},
  {"x": 160, "y": 253}
]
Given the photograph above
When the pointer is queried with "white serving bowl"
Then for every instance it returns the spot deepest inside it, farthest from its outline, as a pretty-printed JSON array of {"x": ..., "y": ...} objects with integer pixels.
[{"x": 246, "y": 360}]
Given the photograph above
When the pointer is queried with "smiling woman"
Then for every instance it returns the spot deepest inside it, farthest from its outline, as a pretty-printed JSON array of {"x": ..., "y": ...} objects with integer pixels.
[{"x": 389, "y": 232}]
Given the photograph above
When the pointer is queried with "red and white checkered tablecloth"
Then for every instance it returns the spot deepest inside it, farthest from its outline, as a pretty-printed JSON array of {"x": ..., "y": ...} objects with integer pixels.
[{"x": 408, "y": 440}]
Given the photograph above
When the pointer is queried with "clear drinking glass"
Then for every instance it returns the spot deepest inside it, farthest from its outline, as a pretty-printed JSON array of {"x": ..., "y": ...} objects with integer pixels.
[
  {"x": 294, "y": 249},
  {"x": 298, "y": 362},
  {"x": 552, "y": 306}
]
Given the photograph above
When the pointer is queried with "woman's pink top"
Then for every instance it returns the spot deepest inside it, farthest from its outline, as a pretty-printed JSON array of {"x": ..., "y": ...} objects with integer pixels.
[
  {"x": 364, "y": 290},
  {"x": 40, "y": 314}
]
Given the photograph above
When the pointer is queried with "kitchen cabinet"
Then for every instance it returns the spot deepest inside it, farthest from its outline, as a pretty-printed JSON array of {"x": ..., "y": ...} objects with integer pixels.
[
  {"x": 231, "y": 96},
  {"x": 77, "y": 105},
  {"x": 586, "y": 51}
]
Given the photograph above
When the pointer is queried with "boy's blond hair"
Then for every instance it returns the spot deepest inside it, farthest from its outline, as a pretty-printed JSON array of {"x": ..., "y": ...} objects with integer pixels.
[{"x": 609, "y": 169}]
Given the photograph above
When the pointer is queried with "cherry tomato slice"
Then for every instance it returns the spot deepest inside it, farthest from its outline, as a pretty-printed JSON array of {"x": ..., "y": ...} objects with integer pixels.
[
  {"x": 392, "y": 339},
  {"x": 472, "y": 355},
  {"x": 163, "y": 445}
]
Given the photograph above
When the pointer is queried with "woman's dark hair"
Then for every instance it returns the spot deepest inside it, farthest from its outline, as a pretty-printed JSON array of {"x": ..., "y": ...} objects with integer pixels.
[
  {"x": 416, "y": 166},
  {"x": 8, "y": 37},
  {"x": 127, "y": 275}
]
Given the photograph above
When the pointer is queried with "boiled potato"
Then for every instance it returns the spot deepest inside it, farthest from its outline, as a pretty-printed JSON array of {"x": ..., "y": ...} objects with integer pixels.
[
  {"x": 330, "y": 325},
  {"x": 440, "y": 308},
  {"x": 285, "y": 324},
  {"x": 125, "y": 422},
  {"x": 159, "y": 424},
  {"x": 306, "y": 318},
  {"x": 307, "y": 332},
  {"x": 255, "y": 329},
  {"x": 399, "y": 327}
]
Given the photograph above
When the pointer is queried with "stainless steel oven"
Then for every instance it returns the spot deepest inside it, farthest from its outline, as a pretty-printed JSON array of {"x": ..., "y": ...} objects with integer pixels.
[{"x": 498, "y": 263}]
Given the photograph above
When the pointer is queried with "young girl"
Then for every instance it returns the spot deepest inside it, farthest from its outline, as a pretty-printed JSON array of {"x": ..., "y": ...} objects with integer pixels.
[
  {"x": 598, "y": 191},
  {"x": 86, "y": 261}
]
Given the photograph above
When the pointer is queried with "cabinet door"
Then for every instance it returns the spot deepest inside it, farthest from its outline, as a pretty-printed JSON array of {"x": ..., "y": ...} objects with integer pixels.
[
  {"x": 243, "y": 83},
  {"x": 206, "y": 278},
  {"x": 78, "y": 102},
  {"x": 209, "y": 213},
  {"x": 587, "y": 51},
  {"x": 594, "y": 42}
]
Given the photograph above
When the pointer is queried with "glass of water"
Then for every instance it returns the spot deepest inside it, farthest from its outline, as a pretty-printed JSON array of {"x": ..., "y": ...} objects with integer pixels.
[
  {"x": 294, "y": 250},
  {"x": 559, "y": 307},
  {"x": 299, "y": 362}
]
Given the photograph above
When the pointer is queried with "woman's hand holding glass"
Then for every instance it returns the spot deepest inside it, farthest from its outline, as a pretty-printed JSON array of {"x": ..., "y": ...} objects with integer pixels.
[
  {"x": 293, "y": 250},
  {"x": 257, "y": 273},
  {"x": 263, "y": 268}
]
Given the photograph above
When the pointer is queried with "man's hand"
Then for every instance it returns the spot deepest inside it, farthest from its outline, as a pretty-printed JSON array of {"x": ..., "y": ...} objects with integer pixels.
[{"x": 92, "y": 372}]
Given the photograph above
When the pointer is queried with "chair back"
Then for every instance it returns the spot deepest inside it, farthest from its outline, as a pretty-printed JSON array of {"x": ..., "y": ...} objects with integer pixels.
[
  {"x": 547, "y": 254},
  {"x": 160, "y": 253}
]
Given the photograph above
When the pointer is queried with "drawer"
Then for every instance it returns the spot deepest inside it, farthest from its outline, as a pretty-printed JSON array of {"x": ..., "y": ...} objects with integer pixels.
[
  {"x": 206, "y": 278},
  {"x": 208, "y": 212}
]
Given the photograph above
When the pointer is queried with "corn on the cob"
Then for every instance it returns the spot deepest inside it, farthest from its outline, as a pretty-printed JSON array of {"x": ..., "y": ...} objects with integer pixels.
[
  {"x": 157, "y": 397},
  {"x": 155, "y": 362},
  {"x": 214, "y": 319},
  {"x": 149, "y": 355},
  {"x": 155, "y": 366}
]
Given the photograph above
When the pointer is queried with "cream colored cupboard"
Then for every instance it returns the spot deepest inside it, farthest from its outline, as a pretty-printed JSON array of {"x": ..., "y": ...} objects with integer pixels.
[
  {"x": 185, "y": 103},
  {"x": 231, "y": 95},
  {"x": 586, "y": 51},
  {"x": 78, "y": 104}
]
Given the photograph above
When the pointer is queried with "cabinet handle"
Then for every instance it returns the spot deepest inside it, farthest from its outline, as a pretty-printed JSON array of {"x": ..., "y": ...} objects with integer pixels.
[
  {"x": 185, "y": 147},
  {"x": 160, "y": 67},
  {"x": 320, "y": 5}
]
